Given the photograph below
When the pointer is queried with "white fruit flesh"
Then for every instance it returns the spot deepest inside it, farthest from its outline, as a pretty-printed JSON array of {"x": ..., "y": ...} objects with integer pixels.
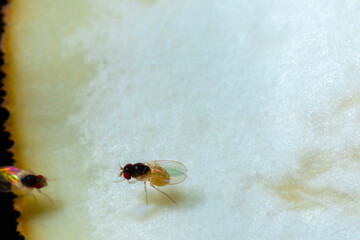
[{"x": 259, "y": 100}]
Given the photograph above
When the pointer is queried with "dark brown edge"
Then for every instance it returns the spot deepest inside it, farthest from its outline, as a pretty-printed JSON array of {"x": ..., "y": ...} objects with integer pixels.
[{"x": 8, "y": 215}]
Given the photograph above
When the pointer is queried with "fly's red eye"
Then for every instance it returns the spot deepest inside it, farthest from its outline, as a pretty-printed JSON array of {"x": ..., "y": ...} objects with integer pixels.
[
  {"x": 38, "y": 186},
  {"x": 127, "y": 176},
  {"x": 128, "y": 165},
  {"x": 40, "y": 176}
]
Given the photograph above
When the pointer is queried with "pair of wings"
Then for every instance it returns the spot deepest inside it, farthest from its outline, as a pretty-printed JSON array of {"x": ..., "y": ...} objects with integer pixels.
[
  {"x": 10, "y": 176},
  {"x": 176, "y": 170}
]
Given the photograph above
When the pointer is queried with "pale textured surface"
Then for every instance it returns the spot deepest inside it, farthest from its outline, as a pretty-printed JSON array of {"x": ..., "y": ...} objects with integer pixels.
[{"x": 259, "y": 99}]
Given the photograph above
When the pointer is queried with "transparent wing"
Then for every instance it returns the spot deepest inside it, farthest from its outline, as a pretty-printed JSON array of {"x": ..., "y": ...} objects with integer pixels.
[
  {"x": 176, "y": 170},
  {"x": 9, "y": 176}
]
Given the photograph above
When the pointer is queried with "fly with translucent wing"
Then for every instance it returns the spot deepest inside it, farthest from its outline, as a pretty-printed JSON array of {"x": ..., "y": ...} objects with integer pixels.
[
  {"x": 18, "y": 181},
  {"x": 158, "y": 173}
]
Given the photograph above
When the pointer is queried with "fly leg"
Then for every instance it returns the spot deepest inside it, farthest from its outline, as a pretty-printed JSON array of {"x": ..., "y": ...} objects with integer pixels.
[
  {"x": 147, "y": 202},
  {"x": 121, "y": 180},
  {"x": 46, "y": 196},
  {"x": 33, "y": 196},
  {"x": 163, "y": 193}
]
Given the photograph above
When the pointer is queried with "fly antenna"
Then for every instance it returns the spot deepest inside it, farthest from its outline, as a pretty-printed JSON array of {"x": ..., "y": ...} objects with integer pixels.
[
  {"x": 120, "y": 175},
  {"x": 122, "y": 170}
]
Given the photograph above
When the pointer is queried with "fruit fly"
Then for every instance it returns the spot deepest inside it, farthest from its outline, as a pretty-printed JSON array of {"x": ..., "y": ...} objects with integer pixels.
[
  {"x": 157, "y": 173},
  {"x": 18, "y": 181}
]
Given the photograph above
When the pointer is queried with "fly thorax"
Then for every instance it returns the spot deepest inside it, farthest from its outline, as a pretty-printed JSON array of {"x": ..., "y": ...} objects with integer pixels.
[{"x": 139, "y": 169}]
